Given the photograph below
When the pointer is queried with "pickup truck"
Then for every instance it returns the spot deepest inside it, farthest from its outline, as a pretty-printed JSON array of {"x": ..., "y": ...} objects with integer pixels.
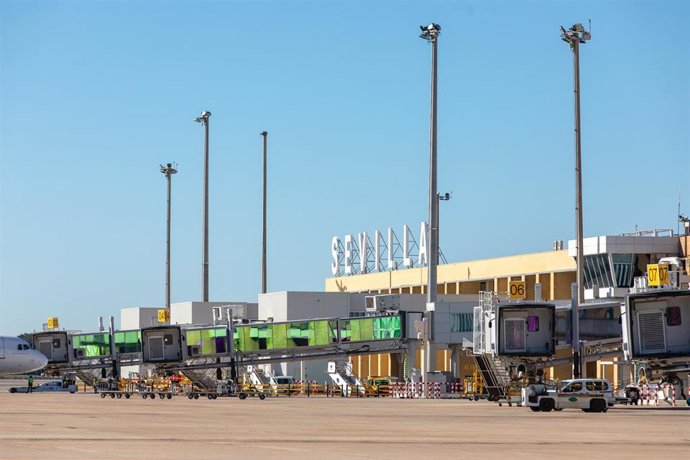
[{"x": 589, "y": 395}]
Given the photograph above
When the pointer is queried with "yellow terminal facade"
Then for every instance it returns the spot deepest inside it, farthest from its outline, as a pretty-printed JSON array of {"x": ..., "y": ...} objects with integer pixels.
[{"x": 611, "y": 264}]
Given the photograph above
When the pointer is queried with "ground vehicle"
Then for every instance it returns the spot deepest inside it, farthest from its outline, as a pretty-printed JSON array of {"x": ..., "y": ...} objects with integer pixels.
[
  {"x": 590, "y": 395},
  {"x": 380, "y": 385},
  {"x": 50, "y": 386}
]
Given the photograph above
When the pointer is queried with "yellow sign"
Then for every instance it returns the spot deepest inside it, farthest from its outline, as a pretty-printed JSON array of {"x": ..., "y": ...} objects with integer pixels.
[
  {"x": 53, "y": 322},
  {"x": 517, "y": 290},
  {"x": 163, "y": 316},
  {"x": 657, "y": 274}
]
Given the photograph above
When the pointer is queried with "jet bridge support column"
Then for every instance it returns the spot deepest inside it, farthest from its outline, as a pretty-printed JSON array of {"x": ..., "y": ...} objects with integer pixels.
[
  {"x": 455, "y": 361},
  {"x": 412, "y": 347}
]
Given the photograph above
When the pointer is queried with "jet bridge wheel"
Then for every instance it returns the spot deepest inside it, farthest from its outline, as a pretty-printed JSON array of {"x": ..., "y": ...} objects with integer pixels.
[
  {"x": 262, "y": 397},
  {"x": 534, "y": 409}
]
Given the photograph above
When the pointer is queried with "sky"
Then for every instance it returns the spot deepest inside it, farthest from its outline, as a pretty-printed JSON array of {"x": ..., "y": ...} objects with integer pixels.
[{"x": 94, "y": 96}]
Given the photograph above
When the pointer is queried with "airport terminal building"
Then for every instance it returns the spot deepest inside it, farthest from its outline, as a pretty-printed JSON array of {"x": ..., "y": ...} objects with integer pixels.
[{"x": 611, "y": 264}]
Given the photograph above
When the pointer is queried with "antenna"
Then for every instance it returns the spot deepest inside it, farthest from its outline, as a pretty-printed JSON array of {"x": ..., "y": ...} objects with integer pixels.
[{"x": 678, "y": 224}]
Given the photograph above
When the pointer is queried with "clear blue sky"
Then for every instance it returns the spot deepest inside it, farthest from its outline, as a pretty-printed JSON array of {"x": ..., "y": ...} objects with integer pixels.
[{"x": 95, "y": 95}]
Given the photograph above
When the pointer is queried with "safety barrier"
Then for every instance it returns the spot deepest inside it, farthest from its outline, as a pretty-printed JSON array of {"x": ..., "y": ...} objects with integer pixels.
[
  {"x": 417, "y": 390},
  {"x": 670, "y": 392},
  {"x": 648, "y": 394}
]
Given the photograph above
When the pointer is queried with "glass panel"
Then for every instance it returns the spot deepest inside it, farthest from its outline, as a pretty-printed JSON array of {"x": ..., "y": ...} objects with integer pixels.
[
  {"x": 532, "y": 323},
  {"x": 597, "y": 270},
  {"x": 673, "y": 316},
  {"x": 206, "y": 342},
  {"x": 91, "y": 345},
  {"x": 623, "y": 267},
  {"x": 127, "y": 342}
]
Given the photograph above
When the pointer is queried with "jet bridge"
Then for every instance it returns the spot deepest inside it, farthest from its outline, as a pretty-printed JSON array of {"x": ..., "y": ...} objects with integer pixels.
[
  {"x": 512, "y": 340},
  {"x": 195, "y": 350},
  {"x": 656, "y": 329}
]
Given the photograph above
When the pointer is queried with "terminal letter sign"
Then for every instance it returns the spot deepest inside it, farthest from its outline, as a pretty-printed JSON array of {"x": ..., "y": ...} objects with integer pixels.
[
  {"x": 53, "y": 322},
  {"x": 357, "y": 255},
  {"x": 657, "y": 274}
]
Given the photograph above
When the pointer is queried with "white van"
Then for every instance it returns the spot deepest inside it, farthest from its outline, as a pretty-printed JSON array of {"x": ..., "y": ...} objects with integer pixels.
[{"x": 590, "y": 395}]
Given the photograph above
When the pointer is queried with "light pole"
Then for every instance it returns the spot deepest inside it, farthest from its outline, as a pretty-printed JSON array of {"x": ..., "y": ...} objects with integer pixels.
[
  {"x": 168, "y": 170},
  {"x": 430, "y": 33},
  {"x": 264, "y": 135},
  {"x": 204, "y": 120},
  {"x": 574, "y": 37}
]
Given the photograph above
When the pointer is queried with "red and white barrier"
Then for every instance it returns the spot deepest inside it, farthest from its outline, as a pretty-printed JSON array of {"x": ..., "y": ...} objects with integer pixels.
[{"x": 669, "y": 392}]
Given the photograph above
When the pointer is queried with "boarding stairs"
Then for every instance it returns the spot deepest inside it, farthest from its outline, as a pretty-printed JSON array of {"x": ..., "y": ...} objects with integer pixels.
[
  {"x": 203, "y": 379},
  {"x": 496, "y": 377},
  {"x": 262, "y": 379},
  {"x": 342, "y": 375}
]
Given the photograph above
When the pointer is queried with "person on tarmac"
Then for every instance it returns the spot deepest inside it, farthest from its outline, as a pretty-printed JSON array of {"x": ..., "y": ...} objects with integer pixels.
[{"x": 31, "y": 384}]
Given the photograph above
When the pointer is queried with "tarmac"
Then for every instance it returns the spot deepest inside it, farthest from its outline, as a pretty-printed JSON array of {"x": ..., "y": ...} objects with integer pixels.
[{"x": 84, "y": 425}]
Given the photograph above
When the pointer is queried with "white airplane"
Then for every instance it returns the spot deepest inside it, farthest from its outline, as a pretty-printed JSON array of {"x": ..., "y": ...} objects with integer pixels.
[{"x": 17, "y": 356}]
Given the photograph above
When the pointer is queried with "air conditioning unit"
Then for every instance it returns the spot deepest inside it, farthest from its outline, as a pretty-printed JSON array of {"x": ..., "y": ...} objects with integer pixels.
[
  {"x": 384, "y": 302},
  {"x": 194, "y": 350}
]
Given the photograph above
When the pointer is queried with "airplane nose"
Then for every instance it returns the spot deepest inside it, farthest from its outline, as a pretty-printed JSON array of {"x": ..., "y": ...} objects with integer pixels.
[{"x": 41, "y": 360}]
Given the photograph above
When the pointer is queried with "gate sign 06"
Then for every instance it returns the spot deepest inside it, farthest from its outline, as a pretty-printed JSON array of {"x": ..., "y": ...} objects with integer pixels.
[
  {"x": 517, "y": 290},
  {"x": 657, "y": 274}
]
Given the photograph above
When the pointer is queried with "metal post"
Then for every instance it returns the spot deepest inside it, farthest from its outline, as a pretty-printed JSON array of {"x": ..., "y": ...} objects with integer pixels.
[
  {"x": 168, "y": 170},
  {"x": 431, "y": 33},
  {"x": 204, "y": 119},
  {"x": 433, "y": 198},
  {"x": 264, "y": 134},
  {"x": 574, "y": 37},
  {"x": 578, "y": 172}
]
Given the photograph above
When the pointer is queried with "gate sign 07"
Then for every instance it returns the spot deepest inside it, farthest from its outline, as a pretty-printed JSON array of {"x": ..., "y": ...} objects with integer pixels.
[
  {"x": 517, "y": 290},
  {"x": 657, "y": 274}
]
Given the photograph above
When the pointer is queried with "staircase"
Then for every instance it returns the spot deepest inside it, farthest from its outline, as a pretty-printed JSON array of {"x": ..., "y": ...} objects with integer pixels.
[
  {"x": 262, "y": 379},
  {"x": 495, "y": 375},
  {"x": 342, "y": 375},
  {"x": 203, "y": 379}
]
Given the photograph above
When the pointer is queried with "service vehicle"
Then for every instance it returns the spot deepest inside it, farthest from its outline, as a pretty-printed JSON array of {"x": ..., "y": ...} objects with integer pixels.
[
  {"x": 50, "y": 386},
  {"x": 590, "y": 395}
]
